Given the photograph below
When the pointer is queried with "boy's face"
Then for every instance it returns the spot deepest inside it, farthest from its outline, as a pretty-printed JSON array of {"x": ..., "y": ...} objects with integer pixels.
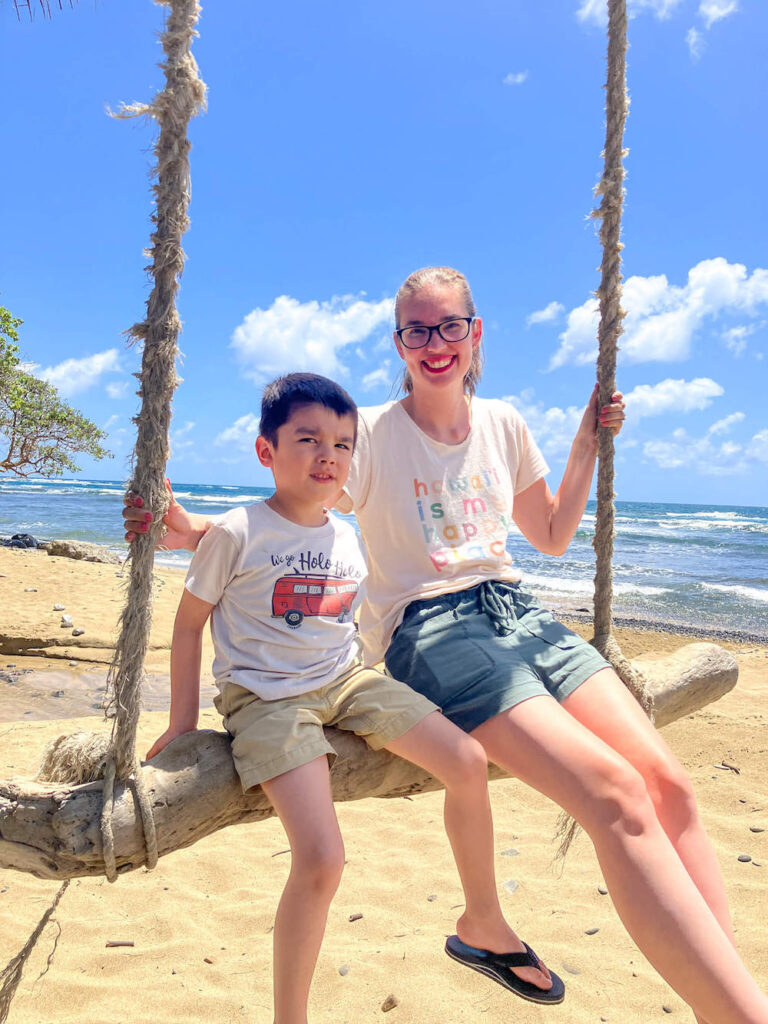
[{"x": 310, "y": 462}]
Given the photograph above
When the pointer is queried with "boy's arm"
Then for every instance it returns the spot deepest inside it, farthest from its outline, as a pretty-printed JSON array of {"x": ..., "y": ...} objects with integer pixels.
[{"x": 186, "y": 653}]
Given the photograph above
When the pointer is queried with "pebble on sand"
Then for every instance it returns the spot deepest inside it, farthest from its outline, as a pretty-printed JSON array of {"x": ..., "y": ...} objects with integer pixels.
[
  {"x": 59, "y": 607},
  {"x": 744, "y": 858},
  {"x": 389, "y": 1003},
  {"x": 67, "y": 622}
]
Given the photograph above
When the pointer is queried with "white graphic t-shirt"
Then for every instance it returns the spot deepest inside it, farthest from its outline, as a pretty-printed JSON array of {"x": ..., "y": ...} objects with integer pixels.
[
  {"x": 435, "y": 517},
  {"x": 284, "y": 595}
]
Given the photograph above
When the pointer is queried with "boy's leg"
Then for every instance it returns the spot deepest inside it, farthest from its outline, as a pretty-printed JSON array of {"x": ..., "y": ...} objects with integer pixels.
[
  {"x": 460, "y": 763},
  {"x": 303, "y": 801}
]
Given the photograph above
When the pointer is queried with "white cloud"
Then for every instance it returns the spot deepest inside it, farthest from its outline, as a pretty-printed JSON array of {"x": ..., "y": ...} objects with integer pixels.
[
  {"x": 118, "y": 388},
  {"x": 542, "y": 316},
  {"x": 671, "y": 396},
  {"x": 111, "y": 422},
  {"x": 515, "y": 77},
  {"x": 242, "y": 434},
  {"x": 724, "y": 425},
  {"x": 76, "y": 375},
  {"x": 553, "y": 428},
  {"x": 695, "y": 41},
  {"x": 715, "y": 10},
  {"x": 697, "y": 454},
  {"x": 662, "y": 318},
  {"x": 758, "y": 447},
  {"x": 293, "y": 335},
  {"x": 596, "y": 11},
  {"x": 736, "y": 337},
  {"x": 180, "y": 439},
  {"x": 377, "y": 378}
]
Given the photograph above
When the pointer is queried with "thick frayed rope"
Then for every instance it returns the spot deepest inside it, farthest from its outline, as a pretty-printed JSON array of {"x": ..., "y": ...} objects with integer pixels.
[
  {"x": 11, "y": 973},
  {"x": 182, "y": 97},
  {"x": 611, "y": 189}
]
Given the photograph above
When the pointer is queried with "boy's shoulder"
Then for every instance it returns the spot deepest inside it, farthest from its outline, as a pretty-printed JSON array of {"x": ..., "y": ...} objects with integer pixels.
[
  {"x": 238, "y": 523},
  {"x": 341, "y": 526},
  {"x": 371, "y": 415}
]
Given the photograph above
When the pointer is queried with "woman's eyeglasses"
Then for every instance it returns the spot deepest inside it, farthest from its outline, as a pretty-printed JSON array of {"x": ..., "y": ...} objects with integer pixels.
[{"x": 449, "y": 330}]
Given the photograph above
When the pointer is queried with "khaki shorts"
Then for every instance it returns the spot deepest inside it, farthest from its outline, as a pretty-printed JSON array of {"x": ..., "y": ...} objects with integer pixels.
[{"x": 270, "y": 737}]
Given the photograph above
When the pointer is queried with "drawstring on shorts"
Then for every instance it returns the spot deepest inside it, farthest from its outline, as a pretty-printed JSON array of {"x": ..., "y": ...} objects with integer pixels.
[{"x": 499, "y": 606}]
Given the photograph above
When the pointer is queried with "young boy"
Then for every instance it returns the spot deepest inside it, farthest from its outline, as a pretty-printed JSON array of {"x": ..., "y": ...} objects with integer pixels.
[{"x": 280, "y": 579}]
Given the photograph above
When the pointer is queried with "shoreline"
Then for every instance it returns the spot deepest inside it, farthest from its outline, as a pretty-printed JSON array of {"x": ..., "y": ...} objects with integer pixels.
[{"x": 628, "y": 622}]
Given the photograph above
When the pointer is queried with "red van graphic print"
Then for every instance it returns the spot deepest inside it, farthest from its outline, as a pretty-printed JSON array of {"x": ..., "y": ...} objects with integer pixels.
[{"x": 294, "y": 597}]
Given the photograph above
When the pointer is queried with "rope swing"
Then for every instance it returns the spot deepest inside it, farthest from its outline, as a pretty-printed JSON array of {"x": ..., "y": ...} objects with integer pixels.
[
  {"x": 611, "y": 188},
  {"x": 173, "y": 107}
]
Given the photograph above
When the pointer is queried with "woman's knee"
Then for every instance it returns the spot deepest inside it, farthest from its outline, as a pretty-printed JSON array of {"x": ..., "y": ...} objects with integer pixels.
[
  {"x": 670, "y": 789},
  {"x": 617, "y": 799}
]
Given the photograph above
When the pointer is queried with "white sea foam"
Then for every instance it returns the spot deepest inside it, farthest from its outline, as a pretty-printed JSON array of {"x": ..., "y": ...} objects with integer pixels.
[
  {"x": 586, "y": 587},
  {"x": 750, "y": 593},
  {"x": 221, "y": 499}
]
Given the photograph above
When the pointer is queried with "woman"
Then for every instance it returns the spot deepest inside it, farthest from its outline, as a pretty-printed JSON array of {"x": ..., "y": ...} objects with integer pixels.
[{"x": 436, "y": 479}]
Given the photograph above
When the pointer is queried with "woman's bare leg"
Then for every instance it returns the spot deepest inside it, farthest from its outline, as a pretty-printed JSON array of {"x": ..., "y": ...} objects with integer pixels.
[
  {"x": 604, "y": 705},
  {"x": 660, "y": 905},
  {"x": 302, "y": 799},
  {"x": 461, "y": 765}
]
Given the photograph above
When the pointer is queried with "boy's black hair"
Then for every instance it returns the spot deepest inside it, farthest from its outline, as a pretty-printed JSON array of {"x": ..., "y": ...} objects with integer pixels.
[{"x": 283, "y": 394}]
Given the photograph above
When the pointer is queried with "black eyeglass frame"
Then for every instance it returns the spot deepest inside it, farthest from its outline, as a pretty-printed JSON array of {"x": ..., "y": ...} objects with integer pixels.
[{"x": 435, "y": 327}]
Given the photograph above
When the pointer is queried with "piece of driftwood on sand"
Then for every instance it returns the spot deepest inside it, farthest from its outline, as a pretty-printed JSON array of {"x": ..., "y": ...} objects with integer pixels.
[{"x": 52, "y": 830}]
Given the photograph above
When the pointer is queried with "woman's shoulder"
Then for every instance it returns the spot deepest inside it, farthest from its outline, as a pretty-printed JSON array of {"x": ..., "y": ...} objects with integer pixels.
[{"x": 497, "y": 410}]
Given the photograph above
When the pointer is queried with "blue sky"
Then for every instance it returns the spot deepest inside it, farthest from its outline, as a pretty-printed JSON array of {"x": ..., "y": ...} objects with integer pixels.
[{"x": 347, "y": 144}]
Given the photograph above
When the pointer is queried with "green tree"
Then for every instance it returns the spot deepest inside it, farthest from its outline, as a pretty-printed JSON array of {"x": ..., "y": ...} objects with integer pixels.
[{"x": 38, "y": 432}]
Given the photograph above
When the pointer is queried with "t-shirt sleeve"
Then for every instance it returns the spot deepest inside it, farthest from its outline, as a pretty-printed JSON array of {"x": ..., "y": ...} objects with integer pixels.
[
  {"x": 358, "y": 485},
  {"x": 531, "y": 464},
  {"x": 213, "y": 565}
]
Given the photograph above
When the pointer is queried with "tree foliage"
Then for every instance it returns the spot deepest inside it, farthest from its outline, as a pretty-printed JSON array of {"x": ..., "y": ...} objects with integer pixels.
[{"x": 38, "y": 432}]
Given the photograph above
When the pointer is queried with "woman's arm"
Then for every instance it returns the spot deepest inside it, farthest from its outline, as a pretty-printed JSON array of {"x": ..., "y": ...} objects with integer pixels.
[
  {"x": 549, "y": 522},
  {"x": 184, "y": 529},
  {"x": 186, "y": 654}
]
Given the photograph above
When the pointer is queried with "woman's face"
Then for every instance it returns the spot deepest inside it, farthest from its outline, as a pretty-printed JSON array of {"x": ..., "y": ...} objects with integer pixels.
[{"x": 440, "y": 364}]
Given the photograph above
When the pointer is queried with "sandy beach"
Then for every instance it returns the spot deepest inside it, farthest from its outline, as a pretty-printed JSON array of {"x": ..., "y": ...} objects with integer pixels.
[{"x": 200, "y": 923}]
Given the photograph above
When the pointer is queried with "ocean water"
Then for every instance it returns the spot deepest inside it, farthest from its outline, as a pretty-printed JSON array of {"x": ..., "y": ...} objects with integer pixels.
[{"x": 698, "y": 567}]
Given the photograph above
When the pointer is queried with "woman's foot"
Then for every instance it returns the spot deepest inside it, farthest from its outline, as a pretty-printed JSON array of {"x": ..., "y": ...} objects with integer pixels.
[{"x": 501, "y": 939}]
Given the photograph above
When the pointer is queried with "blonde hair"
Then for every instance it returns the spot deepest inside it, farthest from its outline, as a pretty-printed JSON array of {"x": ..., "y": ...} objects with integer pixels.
[{"x": 450, "y": 278}]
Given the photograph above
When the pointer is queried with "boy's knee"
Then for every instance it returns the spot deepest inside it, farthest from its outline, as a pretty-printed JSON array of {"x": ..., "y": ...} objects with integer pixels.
[
  {"x": 320, "y": 867},
  {"x": 469, "y": 765}
]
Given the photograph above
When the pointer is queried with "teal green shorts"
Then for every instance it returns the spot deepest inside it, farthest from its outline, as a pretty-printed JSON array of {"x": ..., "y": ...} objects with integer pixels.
[{"x": 478, "y": 652}]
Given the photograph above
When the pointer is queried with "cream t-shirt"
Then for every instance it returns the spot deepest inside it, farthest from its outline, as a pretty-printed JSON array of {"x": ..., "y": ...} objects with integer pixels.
[
  {"x": 284, "y": 599},
  {"x": 434, "y": 517}
]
